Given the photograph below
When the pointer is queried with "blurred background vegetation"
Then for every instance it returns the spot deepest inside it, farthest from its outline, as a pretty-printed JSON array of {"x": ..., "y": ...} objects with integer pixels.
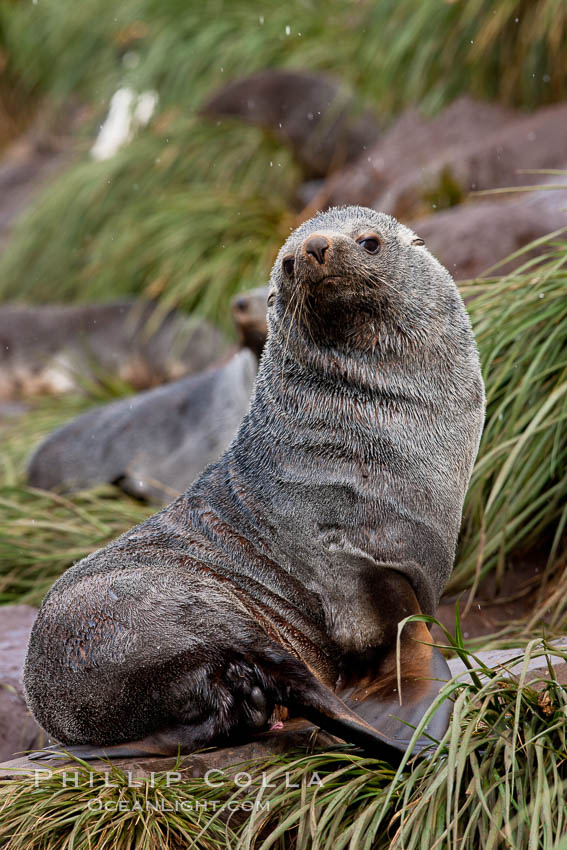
[
  {"x": 192, "y": 210},
  {"x": 151, "y": 219}
]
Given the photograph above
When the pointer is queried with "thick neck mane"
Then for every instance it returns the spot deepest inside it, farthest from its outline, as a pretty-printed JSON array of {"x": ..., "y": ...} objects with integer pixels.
[{"x": 304, "y": 386}]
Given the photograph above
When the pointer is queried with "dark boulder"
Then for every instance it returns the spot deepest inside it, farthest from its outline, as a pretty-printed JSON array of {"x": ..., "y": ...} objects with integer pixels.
[
  {"x": 57, "y": 348},
  {"x": 18, "y": 729},
  {"x": 316, "y": 115}
]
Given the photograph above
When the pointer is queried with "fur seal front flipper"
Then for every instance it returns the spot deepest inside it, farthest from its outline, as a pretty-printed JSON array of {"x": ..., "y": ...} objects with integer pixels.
[
  {"x": 397, "y": 711},
  {"x": 367, "y": 634}
]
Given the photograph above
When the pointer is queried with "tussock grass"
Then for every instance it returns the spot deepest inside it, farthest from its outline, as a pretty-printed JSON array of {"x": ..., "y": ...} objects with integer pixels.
[
  {"x": 41, "y": 534},
  {"x": 518, "y": 493},
  {"x": 497, "y": 779},
  {"x": 511, "y": 49},
  {"x": 192, "y": 210},
  {"x": 90, "y": 809},
  {"x": 17, "y": 105},
  {"x": 186, "y": 213}
]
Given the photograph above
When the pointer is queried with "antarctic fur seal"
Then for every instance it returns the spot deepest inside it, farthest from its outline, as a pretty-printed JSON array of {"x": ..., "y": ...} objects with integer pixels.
[
  {"x": 153, "y": 444},
  {"x": 280, "y": 576},
  {"x": 249, "y": 314}
]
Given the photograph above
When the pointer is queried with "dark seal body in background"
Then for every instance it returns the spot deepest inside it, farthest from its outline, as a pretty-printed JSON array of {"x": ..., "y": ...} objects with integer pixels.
[
  {"x": 280, "y": 576},
  {"x": 153, "y": 444}
]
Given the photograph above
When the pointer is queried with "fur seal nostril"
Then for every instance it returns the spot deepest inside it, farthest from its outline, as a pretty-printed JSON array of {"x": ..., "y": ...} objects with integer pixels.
[
  {"x": 288, "y": 265},
  {"x": 280, "y": 576},
  {"x": 315, "y": 247}
]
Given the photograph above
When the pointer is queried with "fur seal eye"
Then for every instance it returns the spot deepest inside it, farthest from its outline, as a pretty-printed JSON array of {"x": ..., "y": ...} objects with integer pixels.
[
  {"x": 418, "y": 241},
  {"x": 288, "y": 264},
  {"x": 370, "y": 243}
]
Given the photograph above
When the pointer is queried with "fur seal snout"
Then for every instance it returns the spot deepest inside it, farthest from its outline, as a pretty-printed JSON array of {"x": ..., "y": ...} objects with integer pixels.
[{"x": 280, "y": 576}]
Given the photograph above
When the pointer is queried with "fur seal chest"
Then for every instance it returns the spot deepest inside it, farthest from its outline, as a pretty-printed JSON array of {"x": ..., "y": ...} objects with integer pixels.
[{"x": 280, "y": 576}]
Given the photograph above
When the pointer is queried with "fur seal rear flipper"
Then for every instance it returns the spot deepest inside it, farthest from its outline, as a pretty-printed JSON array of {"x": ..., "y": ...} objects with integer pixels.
[
  {"x": 317, "y": 703},
  {"x": 367, "y": 711}
]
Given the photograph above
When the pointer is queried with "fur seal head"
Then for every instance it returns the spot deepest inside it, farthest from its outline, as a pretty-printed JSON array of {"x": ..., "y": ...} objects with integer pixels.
[
  {"x": 249, "y": 314},
  {"x": 358, "y": 281}
]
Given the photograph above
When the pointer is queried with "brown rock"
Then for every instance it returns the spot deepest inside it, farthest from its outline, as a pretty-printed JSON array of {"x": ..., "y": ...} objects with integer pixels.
[
  {"x": 493, "y": 161},
  {"x": 512, "y": 662},
  {"x": 18, "y": 730},
  {"x": 472, "y": 237},
  {"x": 422, "y": 165},
  {"x": 411, "y": 145},
  {"x": 55, "y": 348},
  {"x": 316, "y": 115},
  {"x": 296, "y": 735},
  {"x": 499, "y": 600}
]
